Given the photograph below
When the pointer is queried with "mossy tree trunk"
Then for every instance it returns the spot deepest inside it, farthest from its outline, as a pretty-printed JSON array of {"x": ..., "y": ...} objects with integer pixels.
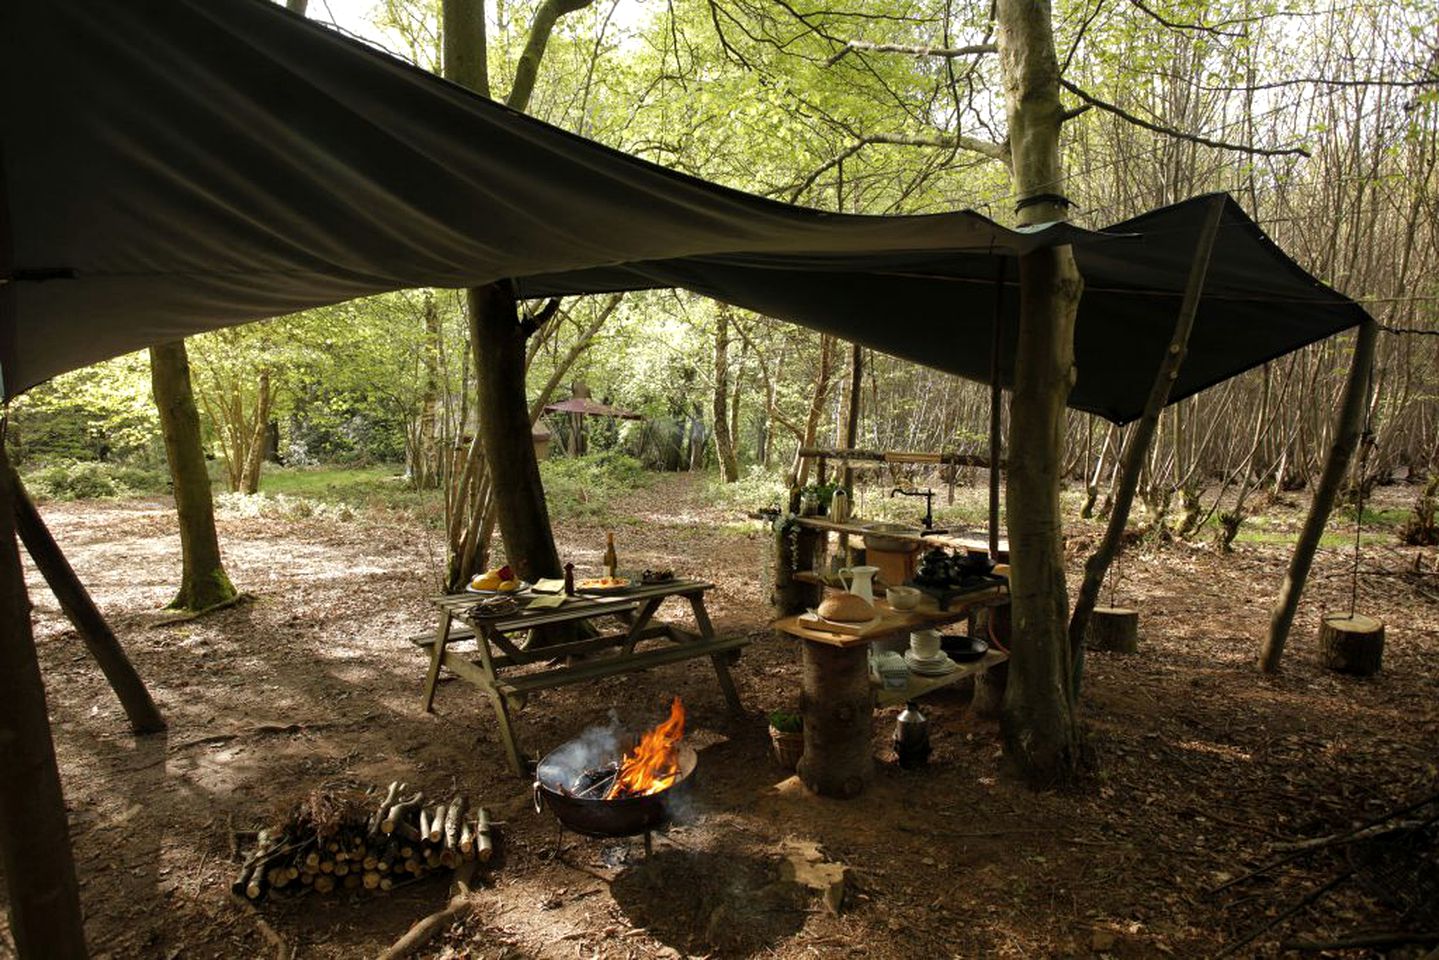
[
  {"x": 1041, "y": 732},
  {"x": 203, "y": 581}
]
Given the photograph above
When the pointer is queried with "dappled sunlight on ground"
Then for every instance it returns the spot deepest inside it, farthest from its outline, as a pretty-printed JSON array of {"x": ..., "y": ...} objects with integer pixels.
[{"x": 1202, "y": 762}]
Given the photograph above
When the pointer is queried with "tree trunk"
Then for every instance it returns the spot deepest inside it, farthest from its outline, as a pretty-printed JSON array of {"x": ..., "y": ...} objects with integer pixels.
[
  {"x": 35, "y": 855},
  {"x": 203, "y": 582},
  {"x": 799, "y": 470},
  {"x": 75, "y": 600},
  {"x": 1040, "y": 730},
  {"x": 498, "y": 340},
  {"x": 466, "y": 51},
  {"x": 724, "y": 441},
  {"x": 1346, "y": 436},
  {"x": 255, "y": 450},
  {"x": 425, "y": 471},
  {"x": 838, "y": 708},
  {"x": 1098, "y": 563}
]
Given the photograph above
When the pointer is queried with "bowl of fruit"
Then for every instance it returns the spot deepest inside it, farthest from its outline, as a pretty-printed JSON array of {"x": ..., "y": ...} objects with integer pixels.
[{"x": 503, "y": 580}]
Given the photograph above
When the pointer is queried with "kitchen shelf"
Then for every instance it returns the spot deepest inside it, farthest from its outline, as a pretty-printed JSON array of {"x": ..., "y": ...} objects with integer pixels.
[{"x": 918, "y": 685}]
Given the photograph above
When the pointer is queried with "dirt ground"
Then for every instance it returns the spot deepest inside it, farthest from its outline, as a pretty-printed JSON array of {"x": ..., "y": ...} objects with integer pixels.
[{"x": 1203, "y": 765}]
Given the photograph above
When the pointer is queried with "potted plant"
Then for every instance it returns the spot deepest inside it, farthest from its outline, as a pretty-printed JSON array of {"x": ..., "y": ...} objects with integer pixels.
[{"x": 786, "y": 734}]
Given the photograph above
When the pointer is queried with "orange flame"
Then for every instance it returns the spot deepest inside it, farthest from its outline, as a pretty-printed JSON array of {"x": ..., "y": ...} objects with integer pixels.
[{"x": 655, "y": 763}]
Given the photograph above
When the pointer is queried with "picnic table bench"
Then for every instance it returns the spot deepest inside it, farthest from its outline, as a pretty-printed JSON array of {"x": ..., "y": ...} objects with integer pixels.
[{"x": 507, "y": 671}]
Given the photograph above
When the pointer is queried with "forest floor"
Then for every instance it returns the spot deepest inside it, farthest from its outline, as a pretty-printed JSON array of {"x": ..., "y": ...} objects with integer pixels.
[{"x": 1202, "y": 764}]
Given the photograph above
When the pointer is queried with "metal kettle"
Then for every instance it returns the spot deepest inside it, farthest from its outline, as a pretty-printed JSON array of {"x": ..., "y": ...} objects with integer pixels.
[{"x": 911, "y": 737}]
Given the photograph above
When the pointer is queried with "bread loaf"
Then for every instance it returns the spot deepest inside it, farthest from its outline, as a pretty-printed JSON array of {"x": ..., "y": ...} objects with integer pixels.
[{"x": 846, "y": 608}]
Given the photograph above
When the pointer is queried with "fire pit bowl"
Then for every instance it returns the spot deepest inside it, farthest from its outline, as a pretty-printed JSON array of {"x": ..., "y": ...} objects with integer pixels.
[{"x": 598, "y": 817}]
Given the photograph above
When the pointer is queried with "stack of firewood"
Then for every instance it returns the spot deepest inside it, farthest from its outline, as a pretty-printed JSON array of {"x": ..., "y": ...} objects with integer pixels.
[{"x": 331, "y": 841}]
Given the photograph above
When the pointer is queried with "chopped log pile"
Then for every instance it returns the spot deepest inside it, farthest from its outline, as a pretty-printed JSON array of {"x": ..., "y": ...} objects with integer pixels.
[{"x": 331, "y": 841}]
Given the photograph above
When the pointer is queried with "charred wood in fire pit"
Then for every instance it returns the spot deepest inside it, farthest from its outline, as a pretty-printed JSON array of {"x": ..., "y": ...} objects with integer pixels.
[{"x": 596, "y": 782}]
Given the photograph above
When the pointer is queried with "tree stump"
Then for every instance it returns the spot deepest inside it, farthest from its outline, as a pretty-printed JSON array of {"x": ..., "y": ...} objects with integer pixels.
[
  {"x": 1353, "y": 645},
  {"x": 838, "y": 708},
  {"x": 1115, "y": 629}
]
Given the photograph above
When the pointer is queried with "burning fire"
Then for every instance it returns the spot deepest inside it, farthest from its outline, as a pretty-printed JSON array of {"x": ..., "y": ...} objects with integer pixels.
[{"x": 655, "y": 763}]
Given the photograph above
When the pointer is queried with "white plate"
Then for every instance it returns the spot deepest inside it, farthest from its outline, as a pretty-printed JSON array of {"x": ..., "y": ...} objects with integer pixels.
[{"x": 931, "y": 668}]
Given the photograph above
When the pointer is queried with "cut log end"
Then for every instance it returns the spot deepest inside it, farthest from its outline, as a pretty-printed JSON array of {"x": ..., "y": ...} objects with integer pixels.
[
  {"x": 1352, "y": 645},
  {"x": 1113, "y": 629}
]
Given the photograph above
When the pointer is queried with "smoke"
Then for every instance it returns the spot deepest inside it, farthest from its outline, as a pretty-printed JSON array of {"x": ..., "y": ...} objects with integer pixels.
[{"x": 597, "y": 747}]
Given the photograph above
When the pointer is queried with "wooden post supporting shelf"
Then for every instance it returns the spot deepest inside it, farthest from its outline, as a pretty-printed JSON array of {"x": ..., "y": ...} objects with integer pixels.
[
  {"x": 837, "y": 706},
  {"x": 795, "y": 550}
]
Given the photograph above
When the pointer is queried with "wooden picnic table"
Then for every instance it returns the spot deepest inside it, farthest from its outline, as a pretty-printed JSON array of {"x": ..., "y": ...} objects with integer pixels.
[
  {"x": 507, "y": 671},
  {"x": 838, "y": 697}
]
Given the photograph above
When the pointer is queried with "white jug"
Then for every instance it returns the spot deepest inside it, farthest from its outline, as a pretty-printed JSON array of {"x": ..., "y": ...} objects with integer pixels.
[{"x": 860, "y": 582}]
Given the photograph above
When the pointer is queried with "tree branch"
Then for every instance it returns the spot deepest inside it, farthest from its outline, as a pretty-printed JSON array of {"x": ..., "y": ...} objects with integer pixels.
[
  {"x": 973, "y": 50},
  {"x": 994, "y": 151},
  {"x": 1125, "y": 115}
]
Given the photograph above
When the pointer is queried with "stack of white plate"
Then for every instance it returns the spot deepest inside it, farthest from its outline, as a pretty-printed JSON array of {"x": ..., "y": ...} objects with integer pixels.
[{"x": 935, "y": 666}]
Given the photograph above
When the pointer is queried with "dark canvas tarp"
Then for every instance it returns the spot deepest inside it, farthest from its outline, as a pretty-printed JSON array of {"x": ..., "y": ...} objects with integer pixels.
[{"x": 173, "y": 166}]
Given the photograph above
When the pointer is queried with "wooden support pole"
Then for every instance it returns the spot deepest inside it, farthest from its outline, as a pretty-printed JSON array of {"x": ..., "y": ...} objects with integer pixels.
[
  {"x": 35, "y": 855},
  {"x": 1134, "y": 455},
  {"x": 996, "y": 396},
  {"x": 1346, "y": 438},
  {"x": 75, "y": 600},
  {"x": 851, "y": 433}
]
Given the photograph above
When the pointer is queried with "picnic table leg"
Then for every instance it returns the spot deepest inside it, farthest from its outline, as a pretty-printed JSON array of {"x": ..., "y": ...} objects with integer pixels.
[
  {"x": 507, "y": 733},
  {"x": 720, "y": 660},
  {"x": 838, "y": 708},
  {"x": 487, "y": 635},
  {"x": 638, "y": 622},
  {"x": 437, "y": 655}
]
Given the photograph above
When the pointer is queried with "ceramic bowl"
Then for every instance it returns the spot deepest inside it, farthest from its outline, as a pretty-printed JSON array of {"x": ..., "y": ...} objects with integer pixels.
[{"x": 902, "y": 598}]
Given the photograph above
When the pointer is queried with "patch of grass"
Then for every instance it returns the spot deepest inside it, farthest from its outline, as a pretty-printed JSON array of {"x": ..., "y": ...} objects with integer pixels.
[
  {"x": 332, "y": 484},
  {"x": 583, "y": 487},
  {"x": 334, "y": 492},
  {"x": 94, "y": 480},
  {"x": 756, "y": 488}
]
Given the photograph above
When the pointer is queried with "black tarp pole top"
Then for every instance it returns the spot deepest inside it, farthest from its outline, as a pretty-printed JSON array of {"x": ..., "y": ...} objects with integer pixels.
[{"x": 193, "y": 164}]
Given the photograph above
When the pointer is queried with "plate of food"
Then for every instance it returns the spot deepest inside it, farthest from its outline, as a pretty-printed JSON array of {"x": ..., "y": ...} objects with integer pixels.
[
  {"x": 497, "y": 582},
  {"x": 602, "y": 584}
]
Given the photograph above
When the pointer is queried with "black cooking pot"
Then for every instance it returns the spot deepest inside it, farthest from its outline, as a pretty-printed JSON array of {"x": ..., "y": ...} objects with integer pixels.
[{"x": 597, "y": 817}]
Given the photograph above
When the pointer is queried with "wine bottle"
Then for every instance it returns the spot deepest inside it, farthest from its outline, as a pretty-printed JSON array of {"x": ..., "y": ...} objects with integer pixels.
[{"x": 611, "y": 561}]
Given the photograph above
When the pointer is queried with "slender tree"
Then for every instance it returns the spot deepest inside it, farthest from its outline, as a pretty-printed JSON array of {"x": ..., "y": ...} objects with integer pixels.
[{"x": 203, "y": 581}]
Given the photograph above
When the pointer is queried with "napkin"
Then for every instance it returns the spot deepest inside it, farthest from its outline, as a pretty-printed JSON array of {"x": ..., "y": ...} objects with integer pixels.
[
  {"x": 546, "y": 601},
  {"x": 548, "y": 586}
]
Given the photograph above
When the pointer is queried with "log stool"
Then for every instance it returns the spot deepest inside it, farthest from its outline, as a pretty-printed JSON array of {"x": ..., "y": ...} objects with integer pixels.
[
  {"x": 1113, "y": 629},
  {"x": 1351, "y": 644}
]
